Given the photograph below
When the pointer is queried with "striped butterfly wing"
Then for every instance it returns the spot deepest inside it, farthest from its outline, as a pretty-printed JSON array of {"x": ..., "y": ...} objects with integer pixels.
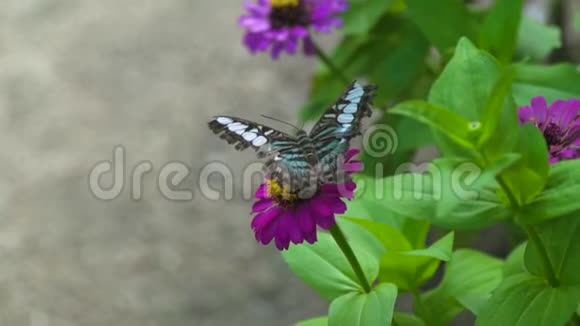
[
  {"x": 244, "y": 133},
  {"x": 287, "y": 164},
  {"x": 338, "y": 125}
]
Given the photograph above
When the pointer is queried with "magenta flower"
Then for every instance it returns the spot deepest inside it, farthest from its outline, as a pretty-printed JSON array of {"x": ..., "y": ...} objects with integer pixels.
[
  {"x": 560, "y": 124},
  {"x": 283, "y": 217},
  {"x": 279, "y": 25}
]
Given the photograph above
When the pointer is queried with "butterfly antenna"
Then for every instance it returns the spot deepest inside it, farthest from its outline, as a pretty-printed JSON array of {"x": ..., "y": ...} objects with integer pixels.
[{"x": 284, "y": 122}]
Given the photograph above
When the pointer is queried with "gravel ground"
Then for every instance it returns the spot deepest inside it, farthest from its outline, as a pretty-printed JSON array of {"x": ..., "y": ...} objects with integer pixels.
[{"x": 79, "y": 77}]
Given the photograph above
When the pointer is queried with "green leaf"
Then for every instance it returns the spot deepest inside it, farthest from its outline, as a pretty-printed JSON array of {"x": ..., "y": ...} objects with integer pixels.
[
  {"x": 514, "y": 263},
  {"x": 364, "y": 309},
  {"x": 469, "y": 276},
  {"x": 474, "y": 73},
  {"x": 529, "y": 175},
  {"x": 319, "y": 321},
  {"x": 456, "y": 194},
  {"x": 561, "y": 239},
  {"x": 553, "y": 82},
  {"x": 325, "y": 268},
  {"x": 500, "y": 29},
  {"x": 440, "y": 250},
  {"x": 525, "y": 300},
  {"x": 416, "y": 232},
  {"x": 360, "y": 238},
  {"x": 395, "y": 57},
  {"x": 362, "y": 15},
  {"x": 536, "y": 40},
  {"x": 406, "y": 195},
  {"x": 451, "y": 124},
  {"x": 429, "y": 15},
  {"x": 391, "y": 238},
  {"x": 467, "y": 193},
  {"x": 496, "y": 103},
  {"x": 560, "y": 196},
  {"x": 410, "y": 269},
  {"x": 403, "y": 319}
]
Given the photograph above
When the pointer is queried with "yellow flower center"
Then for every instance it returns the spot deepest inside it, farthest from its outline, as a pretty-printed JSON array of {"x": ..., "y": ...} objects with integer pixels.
[
  {"x": 284, "y": 3},
  {"x": 281, "y": 194}
]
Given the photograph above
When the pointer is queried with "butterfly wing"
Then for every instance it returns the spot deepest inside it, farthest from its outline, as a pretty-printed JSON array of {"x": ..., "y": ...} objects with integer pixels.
[
  {"x": 338, "y": 125},
  {"x": 244, "y": 133},
  {"x": 287, "y": 164}
]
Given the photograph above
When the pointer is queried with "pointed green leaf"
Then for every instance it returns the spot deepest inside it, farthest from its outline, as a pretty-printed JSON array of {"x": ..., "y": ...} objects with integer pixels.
[
  {"x": 496, "y": 103},
  {"x": 529, "y": 175},
  {"x": 560, "y": 196},
  {"x": 391, "y": 238},
  {"x": 525, "y": 300},
  {"x": 469, "y": 278},
  {"x": 464, "y": 88},
  {"x": 561, "y": 239},
  {"x": 324, "y": 267},
  {"x": 410, "y": 269},
  {"x": 500, "y": 29},
  {"x": 451, "y": 124},
  {"x": 364, "y": 309}
]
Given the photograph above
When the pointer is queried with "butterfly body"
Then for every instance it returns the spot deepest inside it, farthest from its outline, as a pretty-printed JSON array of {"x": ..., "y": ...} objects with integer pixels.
[{"x": 303, "y": 161}]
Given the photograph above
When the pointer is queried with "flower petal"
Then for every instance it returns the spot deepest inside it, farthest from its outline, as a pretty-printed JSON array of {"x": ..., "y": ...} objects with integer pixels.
[
  {"x": 525, "y": 114},
  {"x": 540, "y": 108},
  {"x": 262, "y": 205},
  {"x": 305, "y": 219},
  {"x": 325, "y": 222},
  {"x": 262, "y": 191}
]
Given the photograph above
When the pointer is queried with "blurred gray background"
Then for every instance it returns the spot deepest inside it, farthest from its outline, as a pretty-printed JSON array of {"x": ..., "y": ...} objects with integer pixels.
[{"x": 79, "y": 77}]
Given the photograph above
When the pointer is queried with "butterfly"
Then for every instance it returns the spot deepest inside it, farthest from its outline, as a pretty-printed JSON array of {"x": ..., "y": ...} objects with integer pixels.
[{"x": 304, "y": 161}]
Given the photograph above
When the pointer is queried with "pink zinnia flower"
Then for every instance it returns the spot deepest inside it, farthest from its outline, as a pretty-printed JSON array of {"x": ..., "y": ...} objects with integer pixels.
[
  {"x": 279, "y": 25},
  {"x": 283, "y": 217},
  {"x": 560, "y": 124}
]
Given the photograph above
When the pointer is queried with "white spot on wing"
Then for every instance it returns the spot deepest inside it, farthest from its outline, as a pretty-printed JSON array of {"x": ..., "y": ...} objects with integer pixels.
[
  {"x": 259, "y": 141},
  {"x": 269, "y": 132},
  {"x": 237, "y": 126},
  {"x": 224, "y": 120},
  {"x": 330, "y": 115},
  {"x": 249, "y": 136},
  {"x": 345, "y": 118},
  {"x": 356, "y": 92},
  {"x": 351, "y": 108}
]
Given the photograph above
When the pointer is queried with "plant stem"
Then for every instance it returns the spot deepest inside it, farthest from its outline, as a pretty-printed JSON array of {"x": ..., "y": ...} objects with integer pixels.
[
  {"x": 350, "y": 256},
  {"x": 533, "y": 237},
  {"x": 513, "y": 201},
  {"x": 330, "y": 65}
]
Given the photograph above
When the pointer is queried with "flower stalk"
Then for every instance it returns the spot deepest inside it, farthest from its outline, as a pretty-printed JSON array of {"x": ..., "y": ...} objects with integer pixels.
[
  {"x": 330, "y": 65},
  {"x": 536, "y": 241},
  {"x": 340, "y": 239},
  {"x": 533, "y": 237}
]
